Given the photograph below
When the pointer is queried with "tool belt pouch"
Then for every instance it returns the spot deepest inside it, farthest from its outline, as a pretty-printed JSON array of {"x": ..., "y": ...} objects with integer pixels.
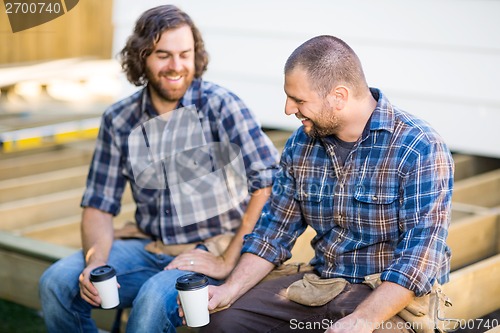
[
  {"x": 216, "y": 245},
  {"x": 425, "y": 313},
  {"x": 288, "y": 269},
  {"x": 312, "y": 290}
]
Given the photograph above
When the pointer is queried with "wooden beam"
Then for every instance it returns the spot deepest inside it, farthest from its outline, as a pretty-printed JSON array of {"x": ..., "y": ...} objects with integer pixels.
[
  {"x": 66, "y": 231},
  {"x": 473, "y": 239},
  {"x": 45, "y": 183},
  {"x": 467, "y": 166},
  {"x": 23, "y": 261},
  {"x": 22, "y": 213},
  {"x": 34, "y": 249},
  {"x": 43, "y": 162},
  {"x": 474, "y": 290},
  {"x": 481, "y": 190}
]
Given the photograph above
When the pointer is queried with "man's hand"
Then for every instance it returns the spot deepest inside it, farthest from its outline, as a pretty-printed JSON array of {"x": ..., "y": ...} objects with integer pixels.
[
  {"x": 350, "y": 324},
  {"x": 215, "y": 302},
  {"x": 201, "y": 261},
  {"x": 219, "y": 298},
  {"x": 87, "y": 290}
]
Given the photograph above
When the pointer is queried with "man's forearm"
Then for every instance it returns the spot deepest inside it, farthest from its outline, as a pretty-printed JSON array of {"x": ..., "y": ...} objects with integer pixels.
[
  {"x": 97, "y": 235},
  {"x": 249, "y": 271},
  {"x": 252, "y": 214},
  {"x": 382, "y": 304}
]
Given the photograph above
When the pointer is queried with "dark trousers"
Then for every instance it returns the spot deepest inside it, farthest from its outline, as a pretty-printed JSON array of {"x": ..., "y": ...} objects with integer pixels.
[{"x": 265, "y": 308}]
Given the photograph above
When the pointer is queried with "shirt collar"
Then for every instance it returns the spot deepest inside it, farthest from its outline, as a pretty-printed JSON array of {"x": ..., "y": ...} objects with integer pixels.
[{"x": 383, "y": 116}]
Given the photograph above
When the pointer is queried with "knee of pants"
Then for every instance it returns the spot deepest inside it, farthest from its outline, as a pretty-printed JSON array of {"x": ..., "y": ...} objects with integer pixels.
[
  {"x": 59, "y": 279},
  {"x": 49, "y": 281},
  {"x": 158, "y": 296},
  {"x": 223, "y": 321}
]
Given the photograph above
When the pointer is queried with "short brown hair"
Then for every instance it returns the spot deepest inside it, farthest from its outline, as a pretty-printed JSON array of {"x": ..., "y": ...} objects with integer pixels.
[
  {"x": 328, "y": 61},
  {"x": 147, "y": 32}
]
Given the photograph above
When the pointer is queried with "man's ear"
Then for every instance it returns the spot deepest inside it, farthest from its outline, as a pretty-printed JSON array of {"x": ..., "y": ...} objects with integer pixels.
[{"x": 338, "y": 97}]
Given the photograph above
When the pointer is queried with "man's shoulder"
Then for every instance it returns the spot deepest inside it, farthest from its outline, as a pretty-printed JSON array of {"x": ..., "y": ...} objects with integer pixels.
[
  {"x": 414, "y": 126},
  {"x": 217, "y": 91},
  {"x": 298, "y": 139},
  {"x": 126, "y": 104}
]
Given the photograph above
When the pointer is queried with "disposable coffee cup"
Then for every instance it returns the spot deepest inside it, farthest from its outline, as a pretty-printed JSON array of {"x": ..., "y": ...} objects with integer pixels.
[
  {"x": 193, "y": 292},
  {"x": 104, "y": 280}
]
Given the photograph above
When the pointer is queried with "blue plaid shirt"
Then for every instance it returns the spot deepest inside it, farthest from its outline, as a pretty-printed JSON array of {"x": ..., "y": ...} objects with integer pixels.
[
  {"x": 223, "y": 116},
  {"x": 387, "y": 209}
]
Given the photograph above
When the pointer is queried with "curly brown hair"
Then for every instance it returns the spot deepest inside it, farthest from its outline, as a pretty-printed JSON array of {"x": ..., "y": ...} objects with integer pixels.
[{"x": 147, "y": 32}]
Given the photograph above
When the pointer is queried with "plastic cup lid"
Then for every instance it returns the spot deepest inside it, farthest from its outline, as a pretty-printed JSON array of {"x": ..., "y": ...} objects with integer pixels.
[
  {"x": 102, "y": 273},
  {"x": 191, "y": 281}
]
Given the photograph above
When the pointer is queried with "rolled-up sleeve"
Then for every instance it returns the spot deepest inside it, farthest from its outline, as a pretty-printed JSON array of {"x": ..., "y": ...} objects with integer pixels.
[
  {"x": 281, "y": 221},
  {"x": 105, "y": 181},
  {"x": 421, "y": 255}
]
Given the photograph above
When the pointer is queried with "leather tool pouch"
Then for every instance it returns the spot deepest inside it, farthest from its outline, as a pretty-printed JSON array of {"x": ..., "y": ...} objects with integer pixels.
[
  {"x": 312, "y": 290},
  {"x": 425, "y": 313},
  {"x": 215, "y": 245}
]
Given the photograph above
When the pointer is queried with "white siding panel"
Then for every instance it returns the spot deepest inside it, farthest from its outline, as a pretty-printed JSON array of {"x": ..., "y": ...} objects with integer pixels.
[{"x": 439, "y": 59}]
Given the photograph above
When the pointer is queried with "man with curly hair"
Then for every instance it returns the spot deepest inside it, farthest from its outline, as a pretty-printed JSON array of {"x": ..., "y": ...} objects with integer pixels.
[{"x": 166, "y": 55}]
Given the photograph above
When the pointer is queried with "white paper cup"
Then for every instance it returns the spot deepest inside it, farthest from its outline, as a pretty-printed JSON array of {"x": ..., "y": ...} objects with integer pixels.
[
  {"x": 104, "y": 279},
  {"x": 193, "y": 292}
]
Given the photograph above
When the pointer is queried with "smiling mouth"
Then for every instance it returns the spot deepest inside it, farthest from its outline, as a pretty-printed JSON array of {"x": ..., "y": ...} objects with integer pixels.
[{"x": 173, "y": 77}]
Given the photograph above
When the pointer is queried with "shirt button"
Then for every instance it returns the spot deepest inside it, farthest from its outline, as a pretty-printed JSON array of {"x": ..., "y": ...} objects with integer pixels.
[
  {"x": 374, "y": 198},
  {"x": 167, "y": 211}
]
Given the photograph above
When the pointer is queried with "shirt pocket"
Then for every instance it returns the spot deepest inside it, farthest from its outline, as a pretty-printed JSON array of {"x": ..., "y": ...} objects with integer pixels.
[
  {"x": 316, "y": 204},
  {"x": 376, "y": 211}
]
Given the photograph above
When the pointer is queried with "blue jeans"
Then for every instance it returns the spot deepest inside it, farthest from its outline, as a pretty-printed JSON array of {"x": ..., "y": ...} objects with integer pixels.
[{"x": 144, "y": 286}]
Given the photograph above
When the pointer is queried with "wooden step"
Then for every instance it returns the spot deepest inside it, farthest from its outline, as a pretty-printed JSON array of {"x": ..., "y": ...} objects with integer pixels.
[
  {"x": 467, "y": 166},
  {"x": 43, "y": 162},
  {"x": 66, "y": 232},
  {"x": 44, "y": 183},
  {"x": 31, "y": 211},
  {"x": 482, "y": 190},
  {"x": 22, "y": 213},
  {"x": 473, "y": 239},
  {"x": 474, "y": 290},
  {"x": 23, "y": 261}
]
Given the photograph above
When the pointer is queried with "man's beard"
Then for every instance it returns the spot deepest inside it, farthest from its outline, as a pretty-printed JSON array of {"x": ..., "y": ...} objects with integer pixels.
[
  {"x": 169, "y": 95},
  {"x": 327, "y": 124}
]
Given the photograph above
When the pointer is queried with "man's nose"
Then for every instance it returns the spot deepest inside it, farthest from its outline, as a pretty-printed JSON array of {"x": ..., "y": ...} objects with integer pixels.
[
  {"x": 290, "y": 107},
  {"x": 175, "y": 64}
]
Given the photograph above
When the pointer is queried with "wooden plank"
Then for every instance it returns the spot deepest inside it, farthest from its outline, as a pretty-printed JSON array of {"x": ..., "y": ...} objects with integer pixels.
[
  {"x": 481, "y": 190},
  {"x": 473, "y": 239},
  {"x": 43, "y": 162},
  {"x": 23, "y": 261},
  {"x": 67, "y": 36},
  {"x": 40, "y": 184},
  {"x": 25, "y": 271},
  {"x": 66, "y": 232},
  {"x": 32, "y": 248},
  {"x": 22, "y": 213},
  {"x": 474, "y": 290},
  {"x": 467, "y": 166}
]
